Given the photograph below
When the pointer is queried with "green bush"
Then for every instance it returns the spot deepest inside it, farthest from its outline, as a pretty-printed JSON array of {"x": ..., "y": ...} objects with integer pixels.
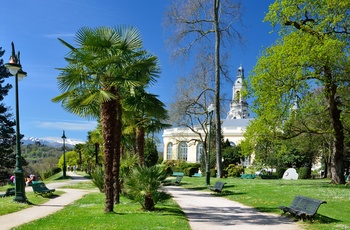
[
  {"x": 234, "y": 170},
  {"x": 98, "y": 178},
  {"x": 280, "y": 171},
  {"x": 212, "y": 172},
  {"x": 143, "y": 184},
  {"x": 304, "y": 173},
  {"x": 49, "y": 173}
]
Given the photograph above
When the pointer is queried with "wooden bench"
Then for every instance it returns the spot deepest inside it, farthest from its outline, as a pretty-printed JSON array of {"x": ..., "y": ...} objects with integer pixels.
[
  {"x": 218, "y": 186},
  {"x": 9, "y": 192},
  {"x": 303, "y": 207},
  {"x": 40, "y": 188}
]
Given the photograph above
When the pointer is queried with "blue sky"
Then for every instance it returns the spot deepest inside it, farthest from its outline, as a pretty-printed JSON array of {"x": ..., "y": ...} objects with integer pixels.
[{"x": 34, "y": 27}]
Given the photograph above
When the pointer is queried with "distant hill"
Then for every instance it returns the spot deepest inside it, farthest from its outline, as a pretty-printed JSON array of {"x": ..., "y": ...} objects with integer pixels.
[{"x": 51, "y": 141}]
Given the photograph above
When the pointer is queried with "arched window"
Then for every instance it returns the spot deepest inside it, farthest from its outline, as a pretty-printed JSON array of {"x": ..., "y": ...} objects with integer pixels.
[
  {"x": 200, "y": 152},
  {"x": 183, "y": 151},
  {"x": 170, "y": 151}
]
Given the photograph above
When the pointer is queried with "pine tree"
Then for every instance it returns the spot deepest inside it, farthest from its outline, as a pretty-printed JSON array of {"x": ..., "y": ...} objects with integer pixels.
[{"x": 7, "y": 132}]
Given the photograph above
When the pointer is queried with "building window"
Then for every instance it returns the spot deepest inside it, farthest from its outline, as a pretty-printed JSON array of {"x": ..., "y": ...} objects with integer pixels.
[
  {"x": 183, "y": 151},
  {"x": 200, "y": 152},
  {"x": 170, "y": 151}
]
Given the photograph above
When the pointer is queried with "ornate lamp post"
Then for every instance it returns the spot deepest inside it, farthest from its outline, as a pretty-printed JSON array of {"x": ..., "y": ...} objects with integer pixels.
[
  {"x": 64, "y": 154},
  {"x": 15, "y": 68},
  {"x": 207, "y": 168}
]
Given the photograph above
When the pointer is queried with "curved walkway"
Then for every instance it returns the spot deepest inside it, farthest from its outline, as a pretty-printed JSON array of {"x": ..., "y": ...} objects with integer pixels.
[
  {"x": 207, "y": 212},
  {"x": 53, "y": 205}
]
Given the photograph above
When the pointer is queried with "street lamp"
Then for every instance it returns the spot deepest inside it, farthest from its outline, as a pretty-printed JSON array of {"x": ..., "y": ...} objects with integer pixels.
[
  {"x": 15, "y": 68},
  {"x": 207, "y": 168},
  {"x": 64, "y": 154}
]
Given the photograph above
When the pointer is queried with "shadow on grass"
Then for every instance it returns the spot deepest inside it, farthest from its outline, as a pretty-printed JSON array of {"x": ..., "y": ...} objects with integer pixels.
[
  {"x": 62, "y": 178},
  {"x": 228, "y": 193},
  {"x": 324, "y": 219}
]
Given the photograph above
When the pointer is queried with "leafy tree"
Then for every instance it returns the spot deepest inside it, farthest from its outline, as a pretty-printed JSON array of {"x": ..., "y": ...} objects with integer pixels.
[
  {"x": 205, "y": 25},
  {"x": 7, "y": 132},
  {"x": 313, "y": 50},
  {"x": 72, "y": 158},
  {"x": 144, "y": 113},
  {"x": 231, "y": 154},
  {"x": 107, "y": 64},
  {"x": 151, "y": 153}
]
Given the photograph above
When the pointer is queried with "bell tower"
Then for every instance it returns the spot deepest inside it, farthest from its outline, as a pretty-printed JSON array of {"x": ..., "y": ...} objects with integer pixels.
[{"x": 238, "y": 105}]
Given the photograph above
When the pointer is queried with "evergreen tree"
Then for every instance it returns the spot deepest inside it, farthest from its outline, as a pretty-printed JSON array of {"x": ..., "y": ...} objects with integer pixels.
[{"x": 7, "y": 137}]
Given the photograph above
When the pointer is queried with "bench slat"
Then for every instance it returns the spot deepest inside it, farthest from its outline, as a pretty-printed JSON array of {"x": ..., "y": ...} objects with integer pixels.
[
  {"x": 303, "y": 206},
  {"x": 218, "y": 186}
]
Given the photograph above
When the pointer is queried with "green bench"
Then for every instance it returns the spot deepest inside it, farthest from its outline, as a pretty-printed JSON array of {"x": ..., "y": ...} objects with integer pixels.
[
  {"x": 178, "y": 174},
  {"x": 177, "y": 180},
  {"x": 39, "y": 188},
  {"x": 9, "y": 192},
  {"x": 303, "y": 207},
  {"x": 218, "y": 186},
  {"x": 197, "y": 175},
  {"x": 248, "y": 176}
]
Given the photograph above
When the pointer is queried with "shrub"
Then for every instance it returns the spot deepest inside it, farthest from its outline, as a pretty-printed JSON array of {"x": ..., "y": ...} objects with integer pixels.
[
  {"x": 143, "y": 184},
  {"x": 98, "y": 178},
  {"x": 192, "y": 171},
  {"x": 280, "y": 171},
  {"x": 234, "y": 170},
  {"x": 304, "y": 173},
  {"x": 212, "y": 172},
  {"x": 49, "y": 173}
]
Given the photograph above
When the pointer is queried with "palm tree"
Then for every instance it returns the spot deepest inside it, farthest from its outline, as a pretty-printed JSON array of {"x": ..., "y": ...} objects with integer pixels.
[
  {"x": 105, "y": 66},
  {"x": 95, "y": 137},
  {"x": 148, "y": 115}
]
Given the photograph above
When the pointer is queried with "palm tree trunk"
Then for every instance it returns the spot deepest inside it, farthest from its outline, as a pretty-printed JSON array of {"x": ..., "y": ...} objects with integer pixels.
[
  {"x": 140, "y": 136},
  {"x": 109, "y": 130},
  {"x": 118, "y": 150}
]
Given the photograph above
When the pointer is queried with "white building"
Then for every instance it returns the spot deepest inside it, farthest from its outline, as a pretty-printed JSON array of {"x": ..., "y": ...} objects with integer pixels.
[{"x": 180, "y": 144}]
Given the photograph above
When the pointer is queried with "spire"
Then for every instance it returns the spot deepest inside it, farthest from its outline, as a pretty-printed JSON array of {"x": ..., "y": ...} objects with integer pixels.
[{"x": 238, "y": 105}]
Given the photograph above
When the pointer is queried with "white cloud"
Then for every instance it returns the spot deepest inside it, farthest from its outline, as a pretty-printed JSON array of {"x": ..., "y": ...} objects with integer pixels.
[
  {"x": 73, "y": 126},
  {"x": 58, "y": 35}
]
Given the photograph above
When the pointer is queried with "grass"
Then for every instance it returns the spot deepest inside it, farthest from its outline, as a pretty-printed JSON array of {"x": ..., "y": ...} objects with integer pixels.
[
  {"x": 9, "y": 206},
  {"x": 267, "y": 195},
  {"x": 264, "y": 195},
  {"x": 87, "y": 213}
]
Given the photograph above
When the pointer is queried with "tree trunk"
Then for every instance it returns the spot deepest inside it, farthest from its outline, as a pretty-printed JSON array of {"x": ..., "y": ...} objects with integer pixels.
[
  {"x": 97, "y": 146},
  {"x": 337, "y": 164},
  {"x": 109, "y": 124},
  {"x": 116, "y": 162},
  {"x": 217, "y": 89},
  {"x": 149, "y": 203},
  {"x": 140, "y": 137}
]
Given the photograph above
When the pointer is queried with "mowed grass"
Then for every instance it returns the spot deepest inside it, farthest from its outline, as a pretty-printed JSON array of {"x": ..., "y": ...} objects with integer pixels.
[
  {"x": 264, "y": 195},
  {"x": 267, "y": 195},
  {"x": 87, "y": 213},
  {"x": 9, "y": 206}
]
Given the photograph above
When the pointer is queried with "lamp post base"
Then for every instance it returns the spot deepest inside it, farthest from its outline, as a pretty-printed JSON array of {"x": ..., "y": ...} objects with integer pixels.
[
  {"x": 207, "y": 178},
  {"x": 20, "y": 195}
]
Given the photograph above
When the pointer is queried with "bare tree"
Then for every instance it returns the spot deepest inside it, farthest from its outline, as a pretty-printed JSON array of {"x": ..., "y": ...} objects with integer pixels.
[
  {"x": 205, "y": 25},
  {"x": 195, "y": 93}
]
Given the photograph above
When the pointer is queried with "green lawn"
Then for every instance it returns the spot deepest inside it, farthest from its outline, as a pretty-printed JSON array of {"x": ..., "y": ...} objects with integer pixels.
[
  {"x": 267, "y": 195},
  {"x": 87, "y": 213},
  {"x": 264, "y": 195}
]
